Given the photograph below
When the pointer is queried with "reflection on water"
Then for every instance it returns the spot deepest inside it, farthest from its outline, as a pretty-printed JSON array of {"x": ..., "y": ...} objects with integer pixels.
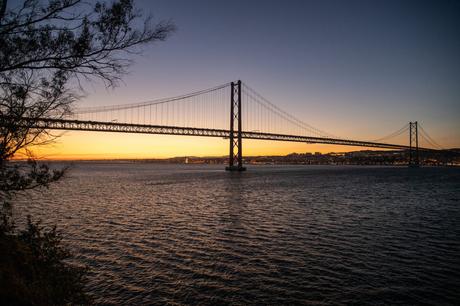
[{"x": 272, "y": 235}]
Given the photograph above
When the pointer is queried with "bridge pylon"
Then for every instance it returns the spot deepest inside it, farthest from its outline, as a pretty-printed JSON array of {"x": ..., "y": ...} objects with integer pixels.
[
  {"x": 235, "y": 159},
  {"x": 413, "y": 145}
]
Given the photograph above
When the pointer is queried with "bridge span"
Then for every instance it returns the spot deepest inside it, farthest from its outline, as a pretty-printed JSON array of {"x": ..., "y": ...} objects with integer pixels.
[
  {"x": 233, "y": 111},
  {"x": 98, "y": 126}
]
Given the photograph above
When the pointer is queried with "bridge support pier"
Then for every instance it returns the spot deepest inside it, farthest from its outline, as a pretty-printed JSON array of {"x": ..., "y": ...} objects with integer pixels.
[
  {"x": 413, "y": 145},
  {"x": 235, "y": 159}
]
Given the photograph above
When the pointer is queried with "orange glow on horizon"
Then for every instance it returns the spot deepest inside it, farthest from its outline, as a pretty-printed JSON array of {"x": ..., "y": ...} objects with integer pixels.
[{"x": 100, "y": 146}]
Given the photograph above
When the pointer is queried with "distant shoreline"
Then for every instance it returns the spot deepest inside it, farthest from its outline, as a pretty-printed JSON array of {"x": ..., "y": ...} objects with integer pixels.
[{"x": 364, "y": 157}]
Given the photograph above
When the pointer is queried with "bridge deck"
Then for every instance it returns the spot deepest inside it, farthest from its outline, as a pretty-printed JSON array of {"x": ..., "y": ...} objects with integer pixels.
[{"x": 98, "y": 126}]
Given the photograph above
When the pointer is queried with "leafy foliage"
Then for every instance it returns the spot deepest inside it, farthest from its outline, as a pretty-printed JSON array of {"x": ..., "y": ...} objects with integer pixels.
[
  {"x": 20, "y": 177},
  {"x": 34, "y": 269},
  {"x": 46, "y": 50},
  {"x": 43, "y": 48}
]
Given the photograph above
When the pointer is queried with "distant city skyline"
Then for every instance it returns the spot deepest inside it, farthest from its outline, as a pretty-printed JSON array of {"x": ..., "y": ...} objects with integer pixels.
[{"x": 354, "y": 69}]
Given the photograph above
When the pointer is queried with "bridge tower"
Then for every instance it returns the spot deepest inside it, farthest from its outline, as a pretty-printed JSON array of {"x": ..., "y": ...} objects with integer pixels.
[
  {"x": 413, "y": 145},
  {"x": 235, "y": 160}
]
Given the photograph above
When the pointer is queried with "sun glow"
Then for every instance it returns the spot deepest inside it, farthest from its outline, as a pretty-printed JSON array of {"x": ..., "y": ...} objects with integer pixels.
[{"x": 99, "y": 145}]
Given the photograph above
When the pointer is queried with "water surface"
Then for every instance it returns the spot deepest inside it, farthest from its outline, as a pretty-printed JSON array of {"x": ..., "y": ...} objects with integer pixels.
[{"x": 188, "y": 234}]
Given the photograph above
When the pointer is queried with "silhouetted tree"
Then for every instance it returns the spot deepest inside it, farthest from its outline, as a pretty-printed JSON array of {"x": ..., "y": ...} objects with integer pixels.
[{"x": 44, "y": 48}]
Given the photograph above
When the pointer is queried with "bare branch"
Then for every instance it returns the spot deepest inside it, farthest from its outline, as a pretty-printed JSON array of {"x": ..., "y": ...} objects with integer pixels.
[{"x": 43, "y": 48}]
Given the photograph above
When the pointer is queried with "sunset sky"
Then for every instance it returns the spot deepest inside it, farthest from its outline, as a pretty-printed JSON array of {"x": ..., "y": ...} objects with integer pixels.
[{"x": 356, "y": 69}]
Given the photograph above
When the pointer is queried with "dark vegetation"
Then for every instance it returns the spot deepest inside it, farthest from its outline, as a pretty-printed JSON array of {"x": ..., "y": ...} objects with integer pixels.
[
  {"x": 45, "y": 47},
  {"x": 34, "y": 271}
]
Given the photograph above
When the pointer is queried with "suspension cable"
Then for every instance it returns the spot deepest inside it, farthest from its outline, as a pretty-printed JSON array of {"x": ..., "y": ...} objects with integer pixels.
[
  {"x": 99, "y": 109},
  {"x": 428, "y": 138},
  {"x": 272, "y": 107},
  {"x": 394, "y": 134}
]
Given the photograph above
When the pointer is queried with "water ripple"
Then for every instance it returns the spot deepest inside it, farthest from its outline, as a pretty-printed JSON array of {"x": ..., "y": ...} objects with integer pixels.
[{"x": 178, "y": 235}]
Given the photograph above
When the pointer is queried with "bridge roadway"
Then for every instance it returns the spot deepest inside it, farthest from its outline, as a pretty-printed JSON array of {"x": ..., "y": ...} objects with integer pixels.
[{"x": 98, "y": 126}]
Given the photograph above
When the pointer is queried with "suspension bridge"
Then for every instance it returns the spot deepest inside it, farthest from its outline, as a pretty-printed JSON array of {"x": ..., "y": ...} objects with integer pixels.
[{"x": 233, "y": 111}]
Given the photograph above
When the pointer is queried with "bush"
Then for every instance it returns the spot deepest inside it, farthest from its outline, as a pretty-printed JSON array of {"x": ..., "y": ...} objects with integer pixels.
[{"x": 34, "y": 269}]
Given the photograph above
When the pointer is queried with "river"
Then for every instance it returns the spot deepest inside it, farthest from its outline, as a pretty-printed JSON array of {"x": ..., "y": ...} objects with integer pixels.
[{"x": 273, "y": 235}]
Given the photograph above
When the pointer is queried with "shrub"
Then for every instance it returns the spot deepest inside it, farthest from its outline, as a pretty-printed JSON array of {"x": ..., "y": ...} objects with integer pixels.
[{"x": 34, "y": 269}]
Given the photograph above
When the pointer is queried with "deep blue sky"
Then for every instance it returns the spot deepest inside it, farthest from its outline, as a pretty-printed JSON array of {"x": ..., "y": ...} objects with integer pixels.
[
  {"x": 353, "y": 68},
  {"x": 349, "y": 67}
]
